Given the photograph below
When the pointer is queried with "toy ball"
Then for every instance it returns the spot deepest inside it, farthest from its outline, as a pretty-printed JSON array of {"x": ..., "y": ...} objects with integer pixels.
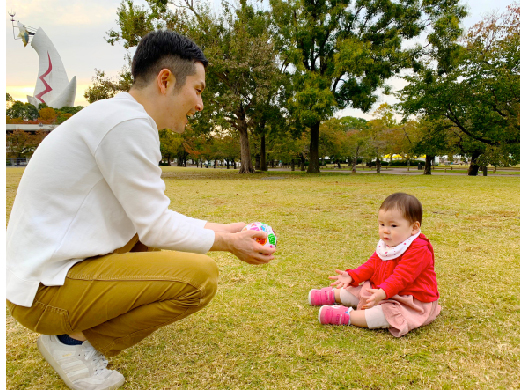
[{"x": 270, "y": 241}]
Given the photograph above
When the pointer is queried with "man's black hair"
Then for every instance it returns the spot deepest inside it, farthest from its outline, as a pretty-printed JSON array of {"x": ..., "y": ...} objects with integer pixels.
[{"x": 164, "y": 49}]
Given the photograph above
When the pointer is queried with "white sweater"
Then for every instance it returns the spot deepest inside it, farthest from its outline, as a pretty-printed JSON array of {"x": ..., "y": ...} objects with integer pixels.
[{"x": 92, "y": 184}]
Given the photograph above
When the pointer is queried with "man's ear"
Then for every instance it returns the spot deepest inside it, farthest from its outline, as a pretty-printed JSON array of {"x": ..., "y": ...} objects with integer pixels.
[
  {"x": 416, "y": 227},
  {"x": 165, "y": 81}
]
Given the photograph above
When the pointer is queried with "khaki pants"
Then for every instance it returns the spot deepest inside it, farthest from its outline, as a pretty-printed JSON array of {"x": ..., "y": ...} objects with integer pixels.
[{"x": 118, "y": 299}]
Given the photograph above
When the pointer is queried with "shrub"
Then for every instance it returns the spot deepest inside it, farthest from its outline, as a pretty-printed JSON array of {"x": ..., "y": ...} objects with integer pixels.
[
  {"x": 402, "y": 163},
  {"x": 373, "y": 164}
]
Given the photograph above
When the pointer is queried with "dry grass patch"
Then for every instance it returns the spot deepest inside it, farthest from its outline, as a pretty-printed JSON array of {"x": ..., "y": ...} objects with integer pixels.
[{"x": 259, "y": 332}]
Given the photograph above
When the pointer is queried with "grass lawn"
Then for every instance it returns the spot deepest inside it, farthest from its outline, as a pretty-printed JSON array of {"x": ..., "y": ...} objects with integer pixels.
[{"x": 260, "y": 333}]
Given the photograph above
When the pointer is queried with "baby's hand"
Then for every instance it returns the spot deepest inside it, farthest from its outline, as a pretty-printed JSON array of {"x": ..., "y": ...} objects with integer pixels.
[
  {"x": 377, "y": 296},
  {"x": 342, "y": 280}
]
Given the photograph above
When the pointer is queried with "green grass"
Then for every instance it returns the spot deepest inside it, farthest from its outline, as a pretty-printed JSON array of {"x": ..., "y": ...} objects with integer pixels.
[{"x": 259, "y": 332}]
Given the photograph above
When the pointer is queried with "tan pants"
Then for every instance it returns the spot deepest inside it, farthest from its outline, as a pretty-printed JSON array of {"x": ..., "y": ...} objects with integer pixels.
[{"x": 118, "y": 299}]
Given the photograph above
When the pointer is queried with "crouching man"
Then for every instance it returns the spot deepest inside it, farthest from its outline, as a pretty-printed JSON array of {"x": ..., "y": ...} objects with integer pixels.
[{"x": 96, "y": 259}]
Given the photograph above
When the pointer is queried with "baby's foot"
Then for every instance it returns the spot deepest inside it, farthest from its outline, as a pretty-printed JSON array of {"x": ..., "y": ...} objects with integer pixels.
[
  {"x": 325, "y": 296},
  {"x": 335, "y": 315}
]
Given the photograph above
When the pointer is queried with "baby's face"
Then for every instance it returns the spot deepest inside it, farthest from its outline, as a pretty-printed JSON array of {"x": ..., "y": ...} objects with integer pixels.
[{"x": 394, "y": 228}]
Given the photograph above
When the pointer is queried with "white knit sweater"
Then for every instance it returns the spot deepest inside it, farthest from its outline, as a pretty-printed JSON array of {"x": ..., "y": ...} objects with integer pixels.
[{"x": 91, "y": 185}]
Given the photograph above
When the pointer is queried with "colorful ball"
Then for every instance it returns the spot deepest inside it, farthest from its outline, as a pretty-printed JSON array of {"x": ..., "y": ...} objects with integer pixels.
[{"x": 270, "y": 241}]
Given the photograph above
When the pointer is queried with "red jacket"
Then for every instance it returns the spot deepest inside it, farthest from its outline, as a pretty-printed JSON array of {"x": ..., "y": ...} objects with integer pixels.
[{"x": 412, "y": 273}]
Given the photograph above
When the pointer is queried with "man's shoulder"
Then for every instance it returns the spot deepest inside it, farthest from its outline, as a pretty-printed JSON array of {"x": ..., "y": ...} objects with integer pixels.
[
  {"x": 123, "y": 102},
  {"x": 108, "y": 113}
]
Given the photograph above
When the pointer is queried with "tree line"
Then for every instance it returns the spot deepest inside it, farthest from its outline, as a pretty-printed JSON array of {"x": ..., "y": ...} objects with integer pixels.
[
  {"x": 22, "y": 144},
  {"x": 279, "y": 72}
]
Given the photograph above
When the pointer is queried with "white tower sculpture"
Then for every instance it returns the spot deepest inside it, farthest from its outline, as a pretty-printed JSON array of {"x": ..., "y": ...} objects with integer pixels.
[{"x": 52, "y": 85}]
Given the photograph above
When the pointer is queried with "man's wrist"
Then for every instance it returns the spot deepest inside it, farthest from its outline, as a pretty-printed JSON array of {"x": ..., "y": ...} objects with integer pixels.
[{"x": 222, "y": 242}]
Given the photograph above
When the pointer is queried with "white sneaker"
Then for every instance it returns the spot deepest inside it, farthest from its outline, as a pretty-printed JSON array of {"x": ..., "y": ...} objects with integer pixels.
[{"x": 80, "y": 366}]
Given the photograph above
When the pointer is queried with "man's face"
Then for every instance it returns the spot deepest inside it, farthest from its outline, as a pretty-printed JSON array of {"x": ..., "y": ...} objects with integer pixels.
[
  {"x": 187, "y": 100},
  {"x": 394, "y": 228}
]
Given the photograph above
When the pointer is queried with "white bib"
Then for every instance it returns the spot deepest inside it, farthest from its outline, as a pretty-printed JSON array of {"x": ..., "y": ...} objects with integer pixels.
[{"x": 389, "y": 253}]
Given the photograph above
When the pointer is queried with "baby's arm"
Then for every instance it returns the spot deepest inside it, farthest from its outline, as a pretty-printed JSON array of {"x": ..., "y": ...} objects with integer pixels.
[
  {"x": 363, "y": 272},
  {"x": 409, "y": 268}
]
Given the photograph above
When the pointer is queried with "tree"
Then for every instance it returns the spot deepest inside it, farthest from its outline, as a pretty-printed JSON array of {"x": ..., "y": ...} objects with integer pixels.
[
  {"x": 356, "y": 138},
  {"x": 480, "y": 93},
  {"x": 8, "y": 100},
  {"x": 104, "y": 87},
  {"x": 291, "y": 145},
  {"x": 433, "y": 140},
  {"x": 382, "y": 133},
  {"x": 333, "y": 141},
  {"x": 23, "y": 111},
  {"x": 170, "y": 144},
  {"x": 343, "y": 51},
  {"x": 47, "y": 114},
  {"x": 22, "y": 144},
  {"x": 226, "y": 146},
  {"x": 242, "y": 65}
]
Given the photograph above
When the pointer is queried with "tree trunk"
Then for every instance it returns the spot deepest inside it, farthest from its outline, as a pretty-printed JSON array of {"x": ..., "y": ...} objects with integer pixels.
[
  {"x": 408, "y": 165},
  {"x": 378, "y": 165},
  {"x": 169, "y": 161},
  {"x": 473, "y": 166},
  {"x": 292, "y": 164},
  {"x": 302, "y": 162},
  {"x": 245, "y": 151},
  {"x": 257, "y": 162},
  {"x": 354, "y": 170},
  {"x": 234, "y": 164},
  {"x": 339, "y": 163},
  {"x": 314, "y": 158},
  {"x": 263, "y": 154},
  {"x": 428, "y": 165}
]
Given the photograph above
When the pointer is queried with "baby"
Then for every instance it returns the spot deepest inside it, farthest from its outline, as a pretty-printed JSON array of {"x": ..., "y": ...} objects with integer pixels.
[{"x": 397, "y": 287}]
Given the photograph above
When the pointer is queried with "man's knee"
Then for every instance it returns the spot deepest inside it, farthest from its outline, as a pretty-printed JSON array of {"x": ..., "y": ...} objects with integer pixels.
[
  {"x": 209, "y": 273},
  {"x": 199, "y": 271}
]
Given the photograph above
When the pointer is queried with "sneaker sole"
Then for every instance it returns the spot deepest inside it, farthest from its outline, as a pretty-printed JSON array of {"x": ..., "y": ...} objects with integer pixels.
[
  {"x": 59, "y": 371},
  {"x": 319, "y": 315},
  {"x": 310, "y": 300}
]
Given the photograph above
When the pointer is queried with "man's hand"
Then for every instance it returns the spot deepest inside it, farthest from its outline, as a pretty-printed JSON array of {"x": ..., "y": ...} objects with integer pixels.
[
  {"x": 244, "y": 246},
  {"x": 227, "y": 227},
  {"x": 342, "y": 280},
  {"x": 377, "y": 296}
]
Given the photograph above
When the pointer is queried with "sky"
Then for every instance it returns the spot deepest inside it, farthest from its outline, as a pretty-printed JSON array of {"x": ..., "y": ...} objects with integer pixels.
[{"x": 78, "y": 29}]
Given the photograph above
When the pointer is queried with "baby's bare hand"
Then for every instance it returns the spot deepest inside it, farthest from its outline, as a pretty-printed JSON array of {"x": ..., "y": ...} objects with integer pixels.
[
  {"x": 342, "y": 280},
  {"x": 377, "y": 296}
]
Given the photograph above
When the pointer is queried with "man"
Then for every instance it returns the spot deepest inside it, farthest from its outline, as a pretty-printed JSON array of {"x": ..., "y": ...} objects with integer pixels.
[{"x": 82, "y": 265}]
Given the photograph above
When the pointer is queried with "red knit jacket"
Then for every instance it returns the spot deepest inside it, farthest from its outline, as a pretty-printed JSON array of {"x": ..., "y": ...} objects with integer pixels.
[{"x": 412, "y": 273}]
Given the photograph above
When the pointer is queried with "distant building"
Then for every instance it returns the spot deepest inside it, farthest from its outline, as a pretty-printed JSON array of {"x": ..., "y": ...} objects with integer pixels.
[{"x": 9, "y": 128}]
